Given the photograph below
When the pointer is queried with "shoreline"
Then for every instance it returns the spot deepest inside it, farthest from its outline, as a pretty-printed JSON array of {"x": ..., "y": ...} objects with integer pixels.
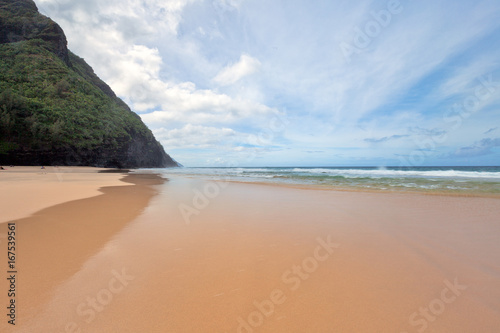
[{"x": 353, "y": 189}]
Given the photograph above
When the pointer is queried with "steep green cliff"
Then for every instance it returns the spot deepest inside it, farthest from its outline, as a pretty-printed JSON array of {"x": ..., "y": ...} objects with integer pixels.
[{"x": 54, "y": 110}]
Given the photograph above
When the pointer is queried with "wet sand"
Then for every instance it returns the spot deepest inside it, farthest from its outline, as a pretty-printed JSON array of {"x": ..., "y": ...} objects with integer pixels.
[{"x": 255, "y": 258}]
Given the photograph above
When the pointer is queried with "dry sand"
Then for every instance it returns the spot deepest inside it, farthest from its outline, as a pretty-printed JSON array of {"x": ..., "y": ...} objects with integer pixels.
[
  {"x": 254, "y": 259},
  {"x": 26, "y": 190}
]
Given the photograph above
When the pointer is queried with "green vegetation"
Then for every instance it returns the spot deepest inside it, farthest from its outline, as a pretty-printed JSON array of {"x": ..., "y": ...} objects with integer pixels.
[
  {"x": 41, "y": 96},
  {"x": 54, "y": 109}
]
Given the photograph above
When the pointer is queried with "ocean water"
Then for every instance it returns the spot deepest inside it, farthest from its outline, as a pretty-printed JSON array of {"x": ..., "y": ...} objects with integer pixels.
[{"x": 479, "y": 180}]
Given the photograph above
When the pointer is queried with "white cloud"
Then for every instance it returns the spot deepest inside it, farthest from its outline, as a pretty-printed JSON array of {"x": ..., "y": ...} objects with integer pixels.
[
  {"x": 465, "y": 79},
  {"x": 228, "y": 5},
  {"x": 105, "y": 34},
  {"x": 205, "y": 106},
  {"x": 130, "y": 18},
  {"x": 196, "y": 136},
  {"x": 481, "y": 148},
  {"x": 208, "y": 65},
  {"x": 235, "y": 72}
]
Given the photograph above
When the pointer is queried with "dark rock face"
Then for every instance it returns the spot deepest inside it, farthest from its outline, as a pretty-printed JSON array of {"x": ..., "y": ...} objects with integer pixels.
[
  {"x": 129, "y": 154},
  {"x": 65, "y": 114},
  {"x": 25, "y": 23}
]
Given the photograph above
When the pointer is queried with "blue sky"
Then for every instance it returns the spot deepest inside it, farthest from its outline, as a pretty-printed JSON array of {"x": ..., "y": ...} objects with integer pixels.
[{"x": 301, "y": 83}]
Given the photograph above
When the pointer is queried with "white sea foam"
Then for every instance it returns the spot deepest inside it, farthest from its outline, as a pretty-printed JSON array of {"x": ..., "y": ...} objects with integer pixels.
[
  {"x": 380, "y": 173},
  {"x": 461, "y": 179},
  {"x": 347, "y": 173}
]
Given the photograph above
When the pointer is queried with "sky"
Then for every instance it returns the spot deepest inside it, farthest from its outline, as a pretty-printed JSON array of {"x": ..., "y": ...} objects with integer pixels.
[{"x": 230, "y": 83}]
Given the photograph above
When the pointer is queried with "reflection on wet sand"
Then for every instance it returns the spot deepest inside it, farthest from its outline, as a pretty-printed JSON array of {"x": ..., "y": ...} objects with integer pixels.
[{"x": 54, "y": 243}]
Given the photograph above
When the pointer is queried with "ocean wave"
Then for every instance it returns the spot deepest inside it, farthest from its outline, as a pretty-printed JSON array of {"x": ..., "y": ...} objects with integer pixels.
[
  {"x": 464, "y": 179},
  {"x": 381, "y": 173}
]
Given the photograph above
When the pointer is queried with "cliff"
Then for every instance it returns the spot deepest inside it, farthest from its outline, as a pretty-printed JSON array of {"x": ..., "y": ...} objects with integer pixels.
[{"x": 54, "y": 110}]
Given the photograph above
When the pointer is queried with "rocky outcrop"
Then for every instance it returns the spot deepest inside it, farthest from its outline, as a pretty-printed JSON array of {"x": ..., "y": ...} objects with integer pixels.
[{"x": 21, "y": 21}]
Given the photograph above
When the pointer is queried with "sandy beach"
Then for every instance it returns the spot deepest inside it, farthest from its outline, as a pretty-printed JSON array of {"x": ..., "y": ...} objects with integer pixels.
[
  {"x": 26, "y": 190},
  {"x": 186, "y": 255}
]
